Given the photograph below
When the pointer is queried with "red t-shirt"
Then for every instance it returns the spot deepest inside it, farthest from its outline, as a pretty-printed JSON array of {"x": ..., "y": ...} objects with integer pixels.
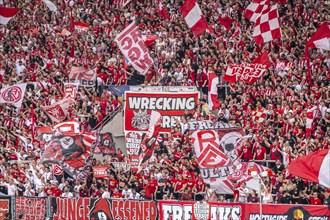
[
  {"x": 260, "y": 153},
  {"x": 247, "y": 152}
]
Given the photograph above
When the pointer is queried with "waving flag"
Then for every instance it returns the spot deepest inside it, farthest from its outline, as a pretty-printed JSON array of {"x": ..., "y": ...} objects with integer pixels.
[
  {"x": 149, "y": 39},
  {"x": 310, "y": 115},
  {"x": 267, "y": 26},
  {"x": 121, "y": 3},
  {"x": 162, "y": 10},
  {"x": 58, "y": 111},
  {"x": 259, "y": 114},
  {"x": 321, "y": 38},
  {"x": 237, "y": 31},
  {"x": 226, "y": 22},
  {"x": 80, "y": 73},
  {"x": 148, "y": 142},
  {"x": 313, "y": 167},
  {"x": 6, "y": 14},
  {"x": 255, "y": 9},
  {"x": 80, "y": 26},
  {"x": 50, "y": 5},
  {"x": 213, "y": 81},
  {"x": 263, "y": 59},
  {"x": 13, "y": 94},
  {"x": 194, "y": 17}
]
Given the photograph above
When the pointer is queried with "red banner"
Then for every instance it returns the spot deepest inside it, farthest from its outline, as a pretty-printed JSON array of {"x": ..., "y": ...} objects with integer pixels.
[
  {"x": 249, "y": 73},
  {"x": 100, "y": 171},
  {"x": 131, "y": 44},
  {"x": 31, "y": 208},
  {"x": 4, "y": 207},
  {"x": 171, "y": 106}
]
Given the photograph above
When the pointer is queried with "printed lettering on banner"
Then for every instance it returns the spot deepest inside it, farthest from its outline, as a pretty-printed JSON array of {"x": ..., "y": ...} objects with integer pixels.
[
  {"x": 171, "y": 106},
  {"x": 70, "y": 208},
  {"x": 249, "y": 73},
  {"x": 131, "y": 44},
  {"x": 31, "y": 208},
  {"x": 133, "y": 142},
  {"x": 100, "y": 171},
  {"x": 124, "y": 166}
]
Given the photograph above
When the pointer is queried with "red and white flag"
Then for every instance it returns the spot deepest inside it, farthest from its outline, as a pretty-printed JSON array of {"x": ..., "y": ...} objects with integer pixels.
[
  {"x": 321, "y": 38},
  {"x": 194, "y": 17},
  {"x": 121, "y": 3},
  {"x": 213, "y": 81},
  {"x": 149, "y": 39},
  {"x": 70, "y": 90},
  {"x": 259, "y": 114},
  {"x": 313, "y": 167},
  {"x": 50, "y": 5},
  {"x": 80, "y": 26},
  {"x": 236, "y": 32},
  {"x": 248, "y": 73},
  {"x": 149, "y": 140},
  {"x": 6, "y": 14},
  {"x": 162, "y": 10},
  {"x": 226, "y": 22},
  {"x": 310, "y": 115},
  {"x": 58, "y": 111},
  {"x": 263, "y": 59},
  {"x": 131, "y": 44},
  {"x": 267, "y": 27},
  {"x": 57, "y": 169},
  {"x": 13, "y": 94},
  {"x": 101, "y": 171},
  {"x": 80, "y": 73},
  {"x": 255, "y": 8}
]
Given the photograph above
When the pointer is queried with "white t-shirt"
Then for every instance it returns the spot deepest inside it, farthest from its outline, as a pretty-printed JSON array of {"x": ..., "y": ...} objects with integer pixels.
[
  {"x": 11, "y": 189},
  {"x": 106, "y": 195}
]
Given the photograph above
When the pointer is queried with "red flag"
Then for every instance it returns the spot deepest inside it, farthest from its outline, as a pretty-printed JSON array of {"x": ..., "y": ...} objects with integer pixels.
[
  {"x": 263, "y": 59},
  {"x": 6, "y": 14},
  {"x": 194, "y": 17},
  {"x": 237, "y": 31},
  {"x": 226, "y": 22},
  {"x": 313, "y": 167},
  {"x": 57, "y": 169},
  {"x": 149, "y": 39},
  {"x": 259, "y": 114},
  {"x": 71, "y": 28},
  {"x": 267, "y": 27},
  {"x": 162, "y": 10},
  {"x": 321, "y": 38},
  {"x": 80, "y": 26}
]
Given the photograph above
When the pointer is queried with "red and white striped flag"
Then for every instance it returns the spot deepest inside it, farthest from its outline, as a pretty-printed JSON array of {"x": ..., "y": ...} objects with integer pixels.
[
  {"x": 310, "y": 115},
  {"x": 80, "y": 73},
  {"x": 194, "y": 17},
  {"x": 6, "y": 14},
  {"x": 255, "y": 8},
  {"x": 267, "y": 27},
  {"x": 80, "y": 26},
  {"x": 237, "y": 31},
  {"x": 259, "y": 114},
  {"x": 313, "y": 167},
  {"x": 58, "y": 111},
  {"x": 213, "y": 81}
]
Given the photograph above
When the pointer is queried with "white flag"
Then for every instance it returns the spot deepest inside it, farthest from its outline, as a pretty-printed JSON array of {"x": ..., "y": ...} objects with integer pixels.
[
  {"x": 50, "y": 5},
  {"x": 13, "y": 94}
]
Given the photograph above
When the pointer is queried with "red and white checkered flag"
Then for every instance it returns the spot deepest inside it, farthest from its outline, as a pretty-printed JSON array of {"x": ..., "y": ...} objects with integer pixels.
[
  {"x": 267, "y": 26},
  {"x": 259, "y": 114},
  {"x": 255, "y": 9}
]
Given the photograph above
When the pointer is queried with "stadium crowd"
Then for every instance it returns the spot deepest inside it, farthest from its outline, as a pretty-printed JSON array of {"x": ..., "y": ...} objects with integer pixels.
[{"x": 34, "y": 50}]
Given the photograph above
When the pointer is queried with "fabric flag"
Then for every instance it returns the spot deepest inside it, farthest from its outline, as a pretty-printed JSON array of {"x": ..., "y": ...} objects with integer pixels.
[
  {"x": 255, "y": 8},
  {"x": 127, "y": 63},
  {"x": 310, "y": 115},
  {"x": 70, "y": 90},
  {"x": 65, "y": 32},
  {"x": 71, "y": 26},
  {"x": 80, "y": 26},
  {"x": 248, "y": 73},
  {"x": 69, "y": 147},
  {"x": 226, "y": 22},
  {"x": 242, "y": 174},
  {"x": 321, "y": 38},
  {"x": 149, "y": 140},
  {"x": 6, "y": 14},
  {"x": 57, "y": 169},
  {"x": 236, "y": 32},
  {"x": 33, "y": 121},
  {"x": 80, "y": 73},
  {"x": 313, "y": 167},
  {"x": 50, "y": 5},
  {"x": 259, "y": 114},
  {"x": 263, "y": 59},
  {"x": 101, "y": 171},
  {"x": 58, "y": 111},
  {"x": 121, "y": 3},
  {"x": 194, "y": 17},
  {"x": 267, "y": 27},
  {"x": 149, "y": 39},
  {"x": 162, "y": 10},
  {"x": 136, "y": 51},
  {"x": 13, "y": 94},
  {"x": 213, "y": 81}
]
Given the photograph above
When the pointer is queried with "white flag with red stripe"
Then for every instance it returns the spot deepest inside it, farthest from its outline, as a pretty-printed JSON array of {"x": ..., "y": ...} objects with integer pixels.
[
  {"x": 267, "y": 27},
  {"x": 259, "y": 114},
  {"x": 310, "y": 115},
  {"x": 255, "y": 8},
  {"x": 321, "y": 38},
  {"x": 213, "y": 99},
  {"x": 13, "y": 94},
  {"x": 6, "y": 14},
  {"x": 80, "y": 26},
  {"x": 58, "y": 111},
  {"x": 121, "y": 3},
  {"x": 314, "y": 167},
  {"x": 194, "y": 17}
]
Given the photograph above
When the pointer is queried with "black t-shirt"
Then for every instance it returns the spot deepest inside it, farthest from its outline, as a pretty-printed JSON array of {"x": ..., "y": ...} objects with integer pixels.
[
  {"x": 20, "y": 190},
  {"x": 286, "y": 199},
  {"x": 294, "y": 193}
]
